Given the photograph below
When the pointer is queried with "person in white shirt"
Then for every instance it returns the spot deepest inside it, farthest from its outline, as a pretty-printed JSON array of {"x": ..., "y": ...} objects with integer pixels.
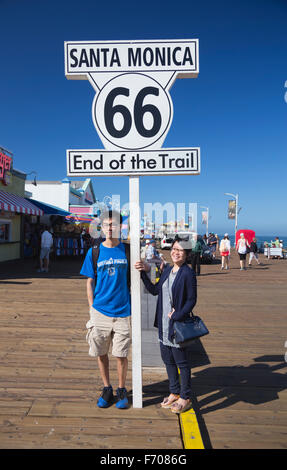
[
  {"x": 46, "y": 244},
  {"x": 150, "y": 251},
  {"x": 144, "y": 249},
  {"x": 225, "y": 251},
  {"x": 241, "y": 247}
]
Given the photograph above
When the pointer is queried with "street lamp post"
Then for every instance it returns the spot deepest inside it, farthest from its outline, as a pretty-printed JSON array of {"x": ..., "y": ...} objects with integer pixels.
[
  {"x": 207, "y": 218},
  {"x": 34, "y": 182},
  {"x": 235, "y": 196}
]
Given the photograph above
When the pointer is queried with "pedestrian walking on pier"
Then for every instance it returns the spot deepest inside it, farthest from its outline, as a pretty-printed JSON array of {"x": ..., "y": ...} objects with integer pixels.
[
  {"x": 196, "y": 256},
  {"x": 46, "y": 245},
  {"x": 225, "y": 251},
  {"x": 212, "y": 243},
  {"x": 242, "y": 247},
  {"x": 253, "y": 252}
]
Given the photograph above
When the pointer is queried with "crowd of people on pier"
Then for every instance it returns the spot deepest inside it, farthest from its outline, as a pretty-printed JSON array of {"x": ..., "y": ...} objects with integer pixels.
[
  {"x": 220, "y": 249},
  {"x": 248, "y": 252}
]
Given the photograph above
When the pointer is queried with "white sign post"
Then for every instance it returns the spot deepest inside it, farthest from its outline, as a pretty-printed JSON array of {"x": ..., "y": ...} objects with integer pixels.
[{"x": 132, "y": 112}]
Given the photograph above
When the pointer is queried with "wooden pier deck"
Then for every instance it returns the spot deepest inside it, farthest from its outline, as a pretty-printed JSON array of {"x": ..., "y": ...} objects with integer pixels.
[{"x": 49, "y": 385}]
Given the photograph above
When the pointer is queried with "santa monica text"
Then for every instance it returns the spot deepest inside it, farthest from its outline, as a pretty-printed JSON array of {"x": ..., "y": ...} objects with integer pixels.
[{"x": 96, "y": 56}]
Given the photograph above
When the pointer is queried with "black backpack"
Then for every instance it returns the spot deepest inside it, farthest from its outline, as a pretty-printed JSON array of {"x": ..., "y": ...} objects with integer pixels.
[{"x": 95, "y": 256}]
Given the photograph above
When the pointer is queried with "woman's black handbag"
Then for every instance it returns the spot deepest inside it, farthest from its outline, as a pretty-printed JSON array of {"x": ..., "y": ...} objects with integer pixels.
[{"x": 187, "y": 331}]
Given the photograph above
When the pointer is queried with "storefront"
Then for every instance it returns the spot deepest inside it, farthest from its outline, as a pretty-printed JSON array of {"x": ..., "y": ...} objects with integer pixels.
[
  {"x": 68, "y": 235},
  {"x": 13, "y": 208},
  {"x": 74, "y": 233},
  {"x": 33, "y": 226},
  {"x": 75, "y": 198},
  {"x": 71, "y": 237}
]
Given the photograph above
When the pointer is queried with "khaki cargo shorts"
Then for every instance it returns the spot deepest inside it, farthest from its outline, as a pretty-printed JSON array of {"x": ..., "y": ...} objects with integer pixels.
[{"x": 104, "y": 331}]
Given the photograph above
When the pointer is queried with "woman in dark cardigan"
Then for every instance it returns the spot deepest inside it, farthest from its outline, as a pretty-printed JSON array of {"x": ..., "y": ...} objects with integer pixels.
[{"x": 177, "y": 293}]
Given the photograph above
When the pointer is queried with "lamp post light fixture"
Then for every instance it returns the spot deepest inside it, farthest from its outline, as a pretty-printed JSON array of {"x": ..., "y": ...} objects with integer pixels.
[
  {"x": 235, "y": 196},
  {"x": 34, "y": 182}
]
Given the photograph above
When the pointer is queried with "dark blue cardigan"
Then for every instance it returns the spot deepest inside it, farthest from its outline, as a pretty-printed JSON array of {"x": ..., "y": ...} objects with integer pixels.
[{"x": 184, "y": 295}]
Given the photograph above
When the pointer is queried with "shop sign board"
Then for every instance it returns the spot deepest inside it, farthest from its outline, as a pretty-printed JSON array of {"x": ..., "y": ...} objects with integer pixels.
[{"x": 5, "y": 164}]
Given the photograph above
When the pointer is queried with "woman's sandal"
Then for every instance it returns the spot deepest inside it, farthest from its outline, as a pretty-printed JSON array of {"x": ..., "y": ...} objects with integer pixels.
[
  {"x": 179, "y": 408},
  {"x": 167, "y": 401}
]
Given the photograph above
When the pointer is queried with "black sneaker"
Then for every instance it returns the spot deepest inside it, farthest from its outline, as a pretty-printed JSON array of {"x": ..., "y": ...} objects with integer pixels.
[
  {"x": 122, "y": 399},
  {"x": 106, "y": 399}
]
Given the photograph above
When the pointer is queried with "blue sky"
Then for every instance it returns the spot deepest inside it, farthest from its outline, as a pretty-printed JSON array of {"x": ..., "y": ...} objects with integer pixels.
[{"x": 235, "y": 111}]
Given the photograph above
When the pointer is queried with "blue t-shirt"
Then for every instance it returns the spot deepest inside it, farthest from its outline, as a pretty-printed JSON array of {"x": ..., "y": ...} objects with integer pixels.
[{"x": 111, "y": 295}]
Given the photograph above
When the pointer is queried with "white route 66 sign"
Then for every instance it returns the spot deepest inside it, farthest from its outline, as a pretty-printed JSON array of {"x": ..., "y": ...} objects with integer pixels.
[
  {"x": 132, "y": 108},
  {"x": 132, "y": 112}
]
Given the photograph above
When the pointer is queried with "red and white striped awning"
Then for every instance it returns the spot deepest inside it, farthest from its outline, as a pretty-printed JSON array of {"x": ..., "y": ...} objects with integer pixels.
[{"x": 13, "y": 203}]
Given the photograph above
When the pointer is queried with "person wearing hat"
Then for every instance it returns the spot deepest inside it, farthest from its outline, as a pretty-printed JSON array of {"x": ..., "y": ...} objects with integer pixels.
[
  {"x": 241, "y": 248},
  {"x": 225, "y": 251}
]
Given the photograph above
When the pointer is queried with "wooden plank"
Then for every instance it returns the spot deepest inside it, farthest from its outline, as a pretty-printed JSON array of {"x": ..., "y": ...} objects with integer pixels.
[
  {"x": 14, "y": 407},
  {"x": 249, "y": 433},
  {"x": 89, "y": 409},
  {"x": 253, "y": 444},
  {"x": 26, "y": 373},
  {"x": 54, "y": 441},
  {"x": 112, "y": 427},
  {"x": 253, "y": 416},
  {"x": 16, "y": 333}
]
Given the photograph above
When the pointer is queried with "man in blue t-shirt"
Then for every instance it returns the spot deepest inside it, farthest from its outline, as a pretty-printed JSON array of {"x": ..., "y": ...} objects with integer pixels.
[{"x": 110, "y": 310}]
